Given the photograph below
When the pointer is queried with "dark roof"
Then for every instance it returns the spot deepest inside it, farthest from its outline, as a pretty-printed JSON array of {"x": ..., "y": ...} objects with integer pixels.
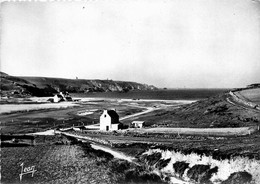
[{"x": 112, "y": 114}]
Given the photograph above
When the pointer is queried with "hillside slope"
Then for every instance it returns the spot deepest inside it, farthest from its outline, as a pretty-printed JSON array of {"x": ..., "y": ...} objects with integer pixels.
[
  {"x": 18, "y": 87},
  {"x": 215, "y": 112},
  {"x": 43, "y": 86},
  {"x": 83, "y": 86}
]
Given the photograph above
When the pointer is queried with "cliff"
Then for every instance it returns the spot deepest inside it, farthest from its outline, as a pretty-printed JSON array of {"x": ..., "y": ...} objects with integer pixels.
[{"x": 44, "y": 86}]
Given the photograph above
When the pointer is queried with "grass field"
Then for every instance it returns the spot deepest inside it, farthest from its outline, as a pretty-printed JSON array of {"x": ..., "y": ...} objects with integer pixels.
[
  {"x": 27, "y": 118},
  {"x": 54, "y": 164},
  {"x": 8, "y": 108},
  {"x": 252, "y": 95},
  {"x": 202, "y": 131},
  {"x": 56, "y": 160},
  {"x": 215, "y": 112}
]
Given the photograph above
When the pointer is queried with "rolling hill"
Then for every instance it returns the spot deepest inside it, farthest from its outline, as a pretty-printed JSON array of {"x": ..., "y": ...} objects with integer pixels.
[{"x": 45, "y": 86}]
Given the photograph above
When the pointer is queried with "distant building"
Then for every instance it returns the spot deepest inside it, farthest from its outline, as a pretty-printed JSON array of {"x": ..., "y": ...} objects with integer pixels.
[
  {"x": 61, "y": 97},
  {"x": 58, "y": 98},
  {"x": 138, "y": 124},
  {"x": 109, "y": 120}
]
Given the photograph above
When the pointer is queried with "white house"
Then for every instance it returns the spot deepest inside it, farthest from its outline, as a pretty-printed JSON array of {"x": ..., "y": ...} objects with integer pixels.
[
  {"x": 109, "y": 120},
  {"x": 138, "y": 124}
]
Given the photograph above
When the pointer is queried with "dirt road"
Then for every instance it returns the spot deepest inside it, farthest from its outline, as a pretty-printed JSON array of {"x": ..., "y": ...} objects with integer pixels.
[
  {"x": 149, "y": 109},
  {"x": 233, "y": 102},
  {"x": 116, "y": 154}
]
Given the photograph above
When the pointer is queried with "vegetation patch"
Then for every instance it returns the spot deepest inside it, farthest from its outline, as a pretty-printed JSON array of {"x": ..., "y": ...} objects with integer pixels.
[
  {"x": 121, "y": 171},
  {"x": 203, "y": 169},
  {"x": 162, "y": 163},
  {"x": 151, "y": 159},
  {"x": 238, "y": 178},
  {"x": 180, "y": 167},
  {"x": 201, "y": 173}
]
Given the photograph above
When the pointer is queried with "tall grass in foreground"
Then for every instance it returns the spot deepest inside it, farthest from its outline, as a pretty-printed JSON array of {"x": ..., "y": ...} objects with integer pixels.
[{"x": 225, "y": 167}]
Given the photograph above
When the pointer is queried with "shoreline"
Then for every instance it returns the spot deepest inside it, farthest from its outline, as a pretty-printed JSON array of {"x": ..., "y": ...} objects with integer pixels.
[
  {"x": 86, "y": 99},
  {"x": 39, "y": 104}
]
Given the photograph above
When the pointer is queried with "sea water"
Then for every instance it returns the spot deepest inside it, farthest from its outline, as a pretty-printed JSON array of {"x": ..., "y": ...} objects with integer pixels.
[{"x": 169, "y": 94}]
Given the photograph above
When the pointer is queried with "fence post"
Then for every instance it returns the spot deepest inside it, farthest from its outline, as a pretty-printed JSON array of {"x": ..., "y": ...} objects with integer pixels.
[
  {"x": 33, "y": 141},
  {"x": 179, "y": 133}
]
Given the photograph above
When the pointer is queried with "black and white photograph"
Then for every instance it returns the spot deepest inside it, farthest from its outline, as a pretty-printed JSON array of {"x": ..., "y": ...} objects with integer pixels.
[{"x": 130, "y": 91}]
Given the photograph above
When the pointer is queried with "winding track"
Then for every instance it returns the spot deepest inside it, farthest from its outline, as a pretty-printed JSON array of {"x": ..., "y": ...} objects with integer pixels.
[
  {"x": 228, "y": 99},
  {"x": 148, "y": 109}
]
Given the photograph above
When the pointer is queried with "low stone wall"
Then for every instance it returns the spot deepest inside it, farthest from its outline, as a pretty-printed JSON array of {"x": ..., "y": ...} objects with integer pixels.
[
  {"x": 244, "y": 102},
  {"x": 87, "y": 138}
]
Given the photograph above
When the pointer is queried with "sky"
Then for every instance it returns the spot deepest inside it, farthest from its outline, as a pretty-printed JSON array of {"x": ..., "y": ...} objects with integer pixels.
[{"x": 166, "y": 43}]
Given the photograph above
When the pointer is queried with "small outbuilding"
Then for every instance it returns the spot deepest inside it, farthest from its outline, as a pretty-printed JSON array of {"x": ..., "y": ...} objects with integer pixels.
[
  {"x": 138, "y": 124},
  {"x": 109, "y": 120}
]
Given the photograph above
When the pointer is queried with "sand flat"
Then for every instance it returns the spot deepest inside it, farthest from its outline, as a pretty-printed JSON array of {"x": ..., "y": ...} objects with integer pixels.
[{"x": 7, "y": 108}]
